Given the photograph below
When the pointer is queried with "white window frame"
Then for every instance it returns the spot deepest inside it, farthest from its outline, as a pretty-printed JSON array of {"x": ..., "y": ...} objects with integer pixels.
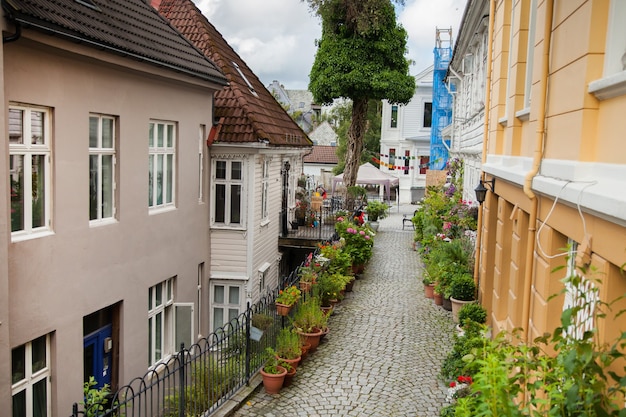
[
  {"x": 164, "y": 310},
  {"x": 27, "y": 150},
  {"x": 393, "y": 123},
  {"x": 265, "y": 185},
  {"x": 201, "y": 145},
  {"x": 613, "y": 82},
  {"x": 577, "y": 296},
  {"x": 32, "y": 378},
  {"x": 100, "y": 151},
  {"x": 229, "y": 310},
  {"x": 199, "y": 298},
  {"x": 165, "y": 151},
  {"x": 228, "y": 182}
]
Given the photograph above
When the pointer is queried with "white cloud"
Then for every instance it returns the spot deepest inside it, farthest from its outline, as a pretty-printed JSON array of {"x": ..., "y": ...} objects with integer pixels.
[{"x": 276, "y": 38}]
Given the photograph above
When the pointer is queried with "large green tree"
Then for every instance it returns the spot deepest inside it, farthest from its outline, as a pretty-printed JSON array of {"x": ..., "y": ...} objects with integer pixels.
[{"x": 360, "y": 56}]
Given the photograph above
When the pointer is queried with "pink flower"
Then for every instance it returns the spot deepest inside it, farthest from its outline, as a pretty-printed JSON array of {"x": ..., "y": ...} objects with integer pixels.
[
  {"x": 339, "y": 219},
  {"x": 349, "y": 230},
  {"x": 367, "y": 237},
  {"x": 362, "y": 233}
]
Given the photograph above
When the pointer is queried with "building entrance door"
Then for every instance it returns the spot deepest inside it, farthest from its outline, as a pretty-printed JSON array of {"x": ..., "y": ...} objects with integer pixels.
[{"x": 97, "y": 355}]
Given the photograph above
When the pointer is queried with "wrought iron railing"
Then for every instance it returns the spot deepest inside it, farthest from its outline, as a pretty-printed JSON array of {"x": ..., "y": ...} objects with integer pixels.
[{"x": 199, "y": 378}]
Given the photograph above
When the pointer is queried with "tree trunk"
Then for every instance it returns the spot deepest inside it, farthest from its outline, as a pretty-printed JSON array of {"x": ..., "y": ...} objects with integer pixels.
[{"x": 356, "y": 132}]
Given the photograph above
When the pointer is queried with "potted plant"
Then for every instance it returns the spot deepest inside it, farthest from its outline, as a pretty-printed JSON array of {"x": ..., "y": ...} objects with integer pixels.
[
  {"x": 429, "y": 285},
  {"x": 308, "y": 276},
  {"x": 273, "y": 372},
  {"x": 473, "y": 312},
  {"x": 289, "y": 347},
  {"x": 376, "y": 210},
  {"x": 309, "y": 321},
  {"x": 286, "y": 299},
  {"x": 462, "y": 291}
]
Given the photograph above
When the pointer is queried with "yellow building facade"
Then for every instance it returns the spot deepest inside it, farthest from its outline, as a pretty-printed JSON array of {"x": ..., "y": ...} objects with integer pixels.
[{"x": 555, "y": 148}]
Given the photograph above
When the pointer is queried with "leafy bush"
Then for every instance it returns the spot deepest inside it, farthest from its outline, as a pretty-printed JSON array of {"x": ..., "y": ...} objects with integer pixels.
[
  {"x": 565, "y": 373},
  {"x": 473, "y": 312},
  {"x": 463, "y": 287}
]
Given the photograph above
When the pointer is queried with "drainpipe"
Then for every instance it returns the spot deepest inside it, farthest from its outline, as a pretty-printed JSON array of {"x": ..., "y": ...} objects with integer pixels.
[
  {"x": 479, "y": 227},
  {"x": 537, "y": 156},
  {"x": 15, "y": 36}
]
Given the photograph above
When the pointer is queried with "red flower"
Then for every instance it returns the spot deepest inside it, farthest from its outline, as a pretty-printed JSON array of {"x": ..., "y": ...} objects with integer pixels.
[{"x": 452, "y": 384}]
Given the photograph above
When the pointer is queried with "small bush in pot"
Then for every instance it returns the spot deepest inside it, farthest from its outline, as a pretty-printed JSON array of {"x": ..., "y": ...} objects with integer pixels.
[
  {"x": 473, "y": 312},
  {"x": 288, "y": 344},
  {"x": 463, "y": 287},
  {"x": 376, "y": 210}
]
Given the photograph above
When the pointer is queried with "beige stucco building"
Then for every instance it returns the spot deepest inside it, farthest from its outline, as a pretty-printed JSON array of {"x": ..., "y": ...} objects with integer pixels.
[
  {"x": 104, "y": 210},
  {"x": 554, "y": 147}
]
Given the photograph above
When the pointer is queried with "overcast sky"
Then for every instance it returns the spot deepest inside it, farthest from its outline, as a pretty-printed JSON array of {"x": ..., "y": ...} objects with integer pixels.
[{"x": 276, "y": 38}]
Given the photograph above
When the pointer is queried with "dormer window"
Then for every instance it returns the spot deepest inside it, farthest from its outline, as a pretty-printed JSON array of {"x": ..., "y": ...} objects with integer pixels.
[{"x": 245, "y": 79}]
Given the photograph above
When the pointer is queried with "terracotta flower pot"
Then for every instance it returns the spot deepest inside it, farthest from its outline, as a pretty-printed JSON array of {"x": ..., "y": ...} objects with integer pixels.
[
  {"x": 305, "y": 286},
  {"x": 273, "y": 382},
  {"x": 306, "y": 346},
  {"x": 429, "y": 291},
  {"x": 289, "y": 377},
  {"x": 312, "y": 338},
  {"x": 283, "y": 309},
  {"x": 293, "y": 362},
  {"x": 438, "y": 298}
]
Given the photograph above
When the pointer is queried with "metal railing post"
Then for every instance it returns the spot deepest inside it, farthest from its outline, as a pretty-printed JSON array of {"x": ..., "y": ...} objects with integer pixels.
[
  {"x": 248, "y": 342},
  {"x": 182, "y": 382}
]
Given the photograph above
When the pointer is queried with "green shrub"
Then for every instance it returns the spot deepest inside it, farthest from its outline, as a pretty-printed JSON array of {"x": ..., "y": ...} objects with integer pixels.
[
  {"x": 473, "y": 312},
  {"x": 463, "y": 287}
]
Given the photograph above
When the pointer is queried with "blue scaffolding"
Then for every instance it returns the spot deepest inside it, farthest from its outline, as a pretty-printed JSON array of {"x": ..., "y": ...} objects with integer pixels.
[{"x": 442, "y": 99}]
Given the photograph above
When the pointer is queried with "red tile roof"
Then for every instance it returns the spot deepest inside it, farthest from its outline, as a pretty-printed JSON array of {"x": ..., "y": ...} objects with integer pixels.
[
  {"x": 246, "y": 115},
  {"x": 322, "y": 155},
  {"x": 129, "y": 28}
]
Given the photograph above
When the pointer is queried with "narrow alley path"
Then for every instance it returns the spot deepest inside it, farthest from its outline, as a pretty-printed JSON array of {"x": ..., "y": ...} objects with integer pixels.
[{"x": 384, "y": 350}]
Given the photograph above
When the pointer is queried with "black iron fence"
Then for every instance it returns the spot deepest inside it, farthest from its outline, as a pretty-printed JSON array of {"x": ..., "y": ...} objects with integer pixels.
[{"x": 202, "y": 377}]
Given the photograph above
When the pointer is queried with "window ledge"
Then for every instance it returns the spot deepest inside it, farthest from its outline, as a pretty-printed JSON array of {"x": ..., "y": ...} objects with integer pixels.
[
  {"x": 265, "y": 222},
  {"x": 22, "y": 236},
  {"x": 102, "y": 222},
  {"x": 503, "y": 121},
  {"x": 219, "y": 226},
  {"x": 159, "y": 210},
  {"x": 609, "y": 87},
  {"x": 523, "y": 114}
]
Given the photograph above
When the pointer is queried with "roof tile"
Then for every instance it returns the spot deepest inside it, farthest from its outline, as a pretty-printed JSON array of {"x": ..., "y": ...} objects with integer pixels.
[
  {"x": 249, "y": 115},
  {"x": 125, "y": 27}
]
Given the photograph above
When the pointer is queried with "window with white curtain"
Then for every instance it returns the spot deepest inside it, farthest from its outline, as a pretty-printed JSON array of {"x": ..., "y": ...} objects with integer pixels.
[
  {"x": 30, "y": 154},
  {"x": 161, "y": 164},
  {"x": 102, "y": 160},
  {"x": 265, "y": 184}
]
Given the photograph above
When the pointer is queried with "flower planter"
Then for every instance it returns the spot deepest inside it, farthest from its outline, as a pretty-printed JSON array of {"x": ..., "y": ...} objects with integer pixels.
[
  {"x": 273, "y": 382},
  {"x": 429, "y": 291},
  {"x": 438, "y": 298},
  {"x": 289, "y": 377},
  {"x": 312, "y": 338},
  {"x": 446, "y": 304},
  {"x": 306, "y": 346},
  {"x": 293, "y": 362},
  {"x": 456, "y": 306},
  {"x": 350, "y": 285},
  {"x": 305, "y": 286},
  {"x": 283, "y": 309}
]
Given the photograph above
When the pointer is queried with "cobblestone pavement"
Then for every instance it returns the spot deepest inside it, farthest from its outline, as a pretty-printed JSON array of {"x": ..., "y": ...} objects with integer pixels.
[{"x": 385, "y": 346}]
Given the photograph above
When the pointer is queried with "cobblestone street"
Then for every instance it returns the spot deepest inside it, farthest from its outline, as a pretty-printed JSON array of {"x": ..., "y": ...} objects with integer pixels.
[{"x": 385, "y": 347}]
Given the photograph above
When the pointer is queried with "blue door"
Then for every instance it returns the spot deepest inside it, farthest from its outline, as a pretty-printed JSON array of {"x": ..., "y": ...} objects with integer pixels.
[{"x": 97, "y": 355}]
